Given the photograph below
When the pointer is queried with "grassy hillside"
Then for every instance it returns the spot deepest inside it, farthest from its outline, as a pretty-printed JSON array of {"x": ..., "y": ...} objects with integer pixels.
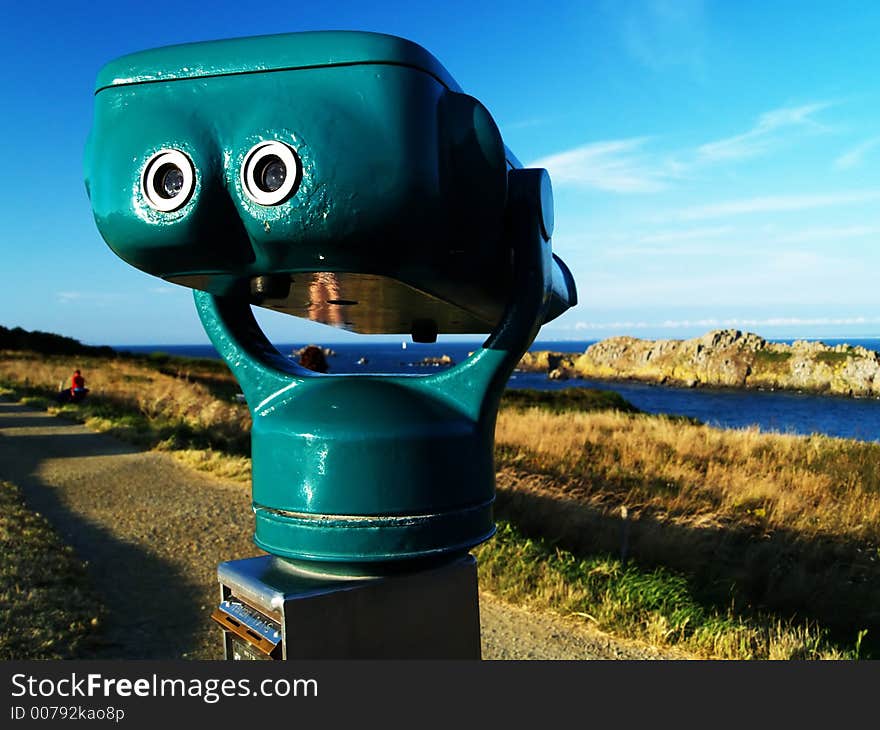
[
  {"x": 47, "y": 343},
  {"x": 727, "y": 543},
  {"x": 758, "y": 522},
  {"x": 47, "y": 609},
  {"x": 581, "y": 400}
]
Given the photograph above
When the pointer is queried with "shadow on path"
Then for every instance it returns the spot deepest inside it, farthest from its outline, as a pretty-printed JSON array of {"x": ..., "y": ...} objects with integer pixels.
[{"x": 125, "y": 513}]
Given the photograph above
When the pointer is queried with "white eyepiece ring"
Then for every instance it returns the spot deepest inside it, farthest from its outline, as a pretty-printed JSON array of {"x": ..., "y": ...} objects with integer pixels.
[
  {"x": 169, "y": 180},
  {"x": 270, "y": 173}
]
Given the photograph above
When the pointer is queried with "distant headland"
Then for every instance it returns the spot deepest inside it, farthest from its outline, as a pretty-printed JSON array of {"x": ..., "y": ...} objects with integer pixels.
[{"x": 720, "y": 358}]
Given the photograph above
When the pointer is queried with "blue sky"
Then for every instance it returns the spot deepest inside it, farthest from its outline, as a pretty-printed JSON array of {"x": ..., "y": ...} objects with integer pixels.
[{"x": 714, "y": 164}]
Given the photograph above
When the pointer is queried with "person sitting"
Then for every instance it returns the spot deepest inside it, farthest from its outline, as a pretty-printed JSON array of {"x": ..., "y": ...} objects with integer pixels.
[{"x": 77, "y": 390}]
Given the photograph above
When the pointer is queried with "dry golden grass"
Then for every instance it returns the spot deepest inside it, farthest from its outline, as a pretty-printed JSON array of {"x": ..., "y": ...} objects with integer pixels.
[
  {"x": 706, "y": 476},
  {"x": 656, "y": 605},
  {"x": 48, "y": 610},
  {"x": 176, "y": 405},
  {"x": 787, "y": 524},
  {"x": 750, "y": 524},
  {"x": 236, "y": 468}
]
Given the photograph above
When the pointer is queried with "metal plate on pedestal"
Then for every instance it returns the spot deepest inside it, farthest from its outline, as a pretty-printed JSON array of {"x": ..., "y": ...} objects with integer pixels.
[{"x": 254, "y": 635}]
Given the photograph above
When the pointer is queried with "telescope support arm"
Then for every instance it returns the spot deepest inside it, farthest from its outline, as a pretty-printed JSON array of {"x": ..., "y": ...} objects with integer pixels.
[{"x": 473, "y": 387}]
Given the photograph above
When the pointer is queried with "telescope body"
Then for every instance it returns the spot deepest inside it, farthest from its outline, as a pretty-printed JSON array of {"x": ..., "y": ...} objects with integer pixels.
[
  {"x": 397, "y": 220},
  {"x": 345, "y": 178}
]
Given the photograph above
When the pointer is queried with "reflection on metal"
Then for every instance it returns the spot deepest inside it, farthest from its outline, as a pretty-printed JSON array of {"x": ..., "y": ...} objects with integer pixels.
[
  {"x": 323, "y": 289},
  {"x": 372, "y": 304},
  {"x": 250, "y": 626}
]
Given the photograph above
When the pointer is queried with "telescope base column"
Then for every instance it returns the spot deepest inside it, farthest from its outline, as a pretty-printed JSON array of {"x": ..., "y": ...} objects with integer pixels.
[{"x": 273, "y": 609}]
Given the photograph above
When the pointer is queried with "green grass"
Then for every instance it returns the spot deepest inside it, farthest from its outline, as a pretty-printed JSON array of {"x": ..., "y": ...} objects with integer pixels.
[
  {"x": 47, "y": 609},
  {"x": 834, "y": 358},
  {"x": 178, "y": 363},
  {"x": 212, "y": 373},
  {"x": 567, "y": 399},
  {"x": 772, "y": 358},
  {"x": 29, "y": 395},
  {"x": 655, "y": 605},
  {"x": 152, "y": 431},
  {"x": 36, "y": 401},
  {"x": 120, "y": 420}
]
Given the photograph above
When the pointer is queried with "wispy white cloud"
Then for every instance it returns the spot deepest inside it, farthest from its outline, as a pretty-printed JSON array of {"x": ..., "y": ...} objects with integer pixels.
[
  {"x": 704, "y": 241},
  {"x": 527, "y": 123},
  {"x": 614, "y": 165},
  {"x": 629, "y": 166},
  {"x": 661, "y": 34},
  {"x": 775, "y": 204},
  {"x": 854, "y": 157},
  {"x": 734, "y": 322},
  {"x": 608, "y": 325},
  {"x": 772, "y": 128},
  {"x": 759, "y": 275},
  {"x": 800, "y": 321},
  {"x": 664, "y": 254},
  {"x": 827, "y": 233},
  {"x": 682, "y": 242},
  {"x": 690, "y": 234},
  {"x": 98, "y": 298}
]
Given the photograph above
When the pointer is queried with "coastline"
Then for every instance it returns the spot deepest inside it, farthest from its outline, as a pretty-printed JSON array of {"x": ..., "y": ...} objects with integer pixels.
[
  {"x": 720, "y": 359},
  {"x": 708, "y": 387}
]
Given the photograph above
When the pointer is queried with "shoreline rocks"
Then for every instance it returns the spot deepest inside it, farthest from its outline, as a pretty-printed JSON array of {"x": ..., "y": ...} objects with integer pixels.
[
  {"x": 720, "y": 358},
  {"x": 442, "y": 360},
  {"x": 328, "y": 352}
]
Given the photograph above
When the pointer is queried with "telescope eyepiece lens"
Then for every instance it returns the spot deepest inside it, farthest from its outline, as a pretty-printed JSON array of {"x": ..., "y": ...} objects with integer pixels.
[
  {"x": 270, "y": 173},
  {"x": 172, "y": 181},
  {"x": 273, "y": 174},
  {"x": 168, "y": 180}
]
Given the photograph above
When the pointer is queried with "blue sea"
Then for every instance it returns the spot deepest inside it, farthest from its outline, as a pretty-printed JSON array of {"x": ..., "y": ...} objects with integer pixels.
[{"x": 785, "y": 412}]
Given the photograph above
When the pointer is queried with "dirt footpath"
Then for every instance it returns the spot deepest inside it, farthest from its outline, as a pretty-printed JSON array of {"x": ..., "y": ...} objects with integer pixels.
[{"x": 154, "y": 531}]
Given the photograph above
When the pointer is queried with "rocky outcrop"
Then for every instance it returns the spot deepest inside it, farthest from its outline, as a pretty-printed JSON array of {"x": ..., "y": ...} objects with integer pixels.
[
  {"x": 728, "y": 358},
  {"x": 326, "y": 350},
  {"x": 545, "y": 361},
  {"x": 443, "y": 360}
]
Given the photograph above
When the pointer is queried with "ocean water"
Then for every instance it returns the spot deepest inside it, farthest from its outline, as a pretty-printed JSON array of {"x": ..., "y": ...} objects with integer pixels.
[{"x": 784, "y": 412}]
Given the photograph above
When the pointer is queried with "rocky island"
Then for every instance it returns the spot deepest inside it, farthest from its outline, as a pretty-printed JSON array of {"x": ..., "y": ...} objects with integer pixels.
[{"x": 721, "y": 358}]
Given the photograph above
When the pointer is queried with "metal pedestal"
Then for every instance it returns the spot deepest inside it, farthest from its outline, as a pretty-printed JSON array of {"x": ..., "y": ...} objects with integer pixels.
[{"x": 273, "y": 609}]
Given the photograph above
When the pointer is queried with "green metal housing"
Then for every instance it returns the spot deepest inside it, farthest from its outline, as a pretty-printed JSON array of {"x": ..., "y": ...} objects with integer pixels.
[{"x": 408, "y": 209}]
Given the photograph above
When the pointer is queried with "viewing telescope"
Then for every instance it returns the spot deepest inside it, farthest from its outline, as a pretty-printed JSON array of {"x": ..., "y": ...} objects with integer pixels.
[{"x": 342, "y": 177}]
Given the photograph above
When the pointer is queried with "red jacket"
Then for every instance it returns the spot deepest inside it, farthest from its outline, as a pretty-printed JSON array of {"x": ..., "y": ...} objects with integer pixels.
[{"x": 77, "y": 381}]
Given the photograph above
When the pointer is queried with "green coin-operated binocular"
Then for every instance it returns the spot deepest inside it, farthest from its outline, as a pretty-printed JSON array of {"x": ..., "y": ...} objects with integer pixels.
[{"x": 342, "y": 177}]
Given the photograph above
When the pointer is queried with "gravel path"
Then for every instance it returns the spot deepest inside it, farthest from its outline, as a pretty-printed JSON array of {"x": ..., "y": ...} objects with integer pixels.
[{"x": 154, "y": 531}]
